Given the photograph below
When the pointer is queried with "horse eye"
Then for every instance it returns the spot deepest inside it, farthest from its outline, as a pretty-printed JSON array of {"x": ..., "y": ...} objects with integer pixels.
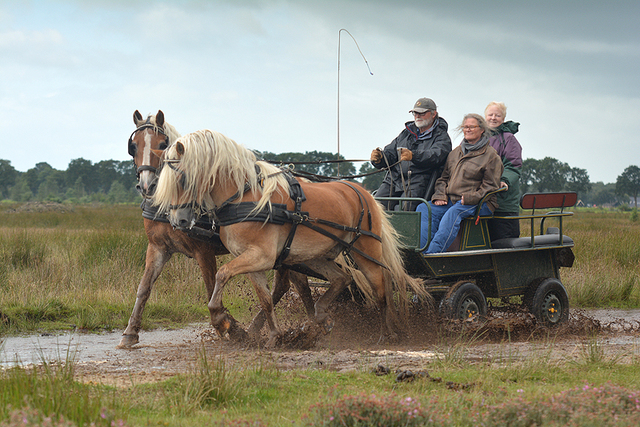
[
  {"x": 132, "y": 149},
  {"x": 163, "y": 145}
]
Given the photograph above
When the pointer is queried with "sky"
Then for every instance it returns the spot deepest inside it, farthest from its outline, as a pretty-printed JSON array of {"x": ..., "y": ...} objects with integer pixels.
[{"x": 330, "y": 75}]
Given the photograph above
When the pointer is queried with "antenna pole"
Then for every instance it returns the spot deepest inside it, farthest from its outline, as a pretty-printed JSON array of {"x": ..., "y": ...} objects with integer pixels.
[{"x": 365, "y": 60}]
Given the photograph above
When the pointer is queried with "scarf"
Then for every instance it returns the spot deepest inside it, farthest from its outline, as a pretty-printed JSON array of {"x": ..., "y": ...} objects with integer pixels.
[{"x": 466, "y": 146}]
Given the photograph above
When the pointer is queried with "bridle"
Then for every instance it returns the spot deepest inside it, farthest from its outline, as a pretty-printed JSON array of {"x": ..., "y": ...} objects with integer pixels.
[{"x": 132, "y": 147}]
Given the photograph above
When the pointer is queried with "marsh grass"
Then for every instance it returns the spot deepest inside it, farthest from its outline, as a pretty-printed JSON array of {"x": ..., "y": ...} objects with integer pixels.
[
  {"x": 79, "y": 267},
  {"x": 210, "y": 385},
  {"x": 607, "y": 260},
  {"x": 216, "y": 392},
  {"x": 30, "y": 395}
]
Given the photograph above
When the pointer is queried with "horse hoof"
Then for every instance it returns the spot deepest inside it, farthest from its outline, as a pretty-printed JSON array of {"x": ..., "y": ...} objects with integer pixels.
[
  {"x": 273, "y": 342},
  {"x": 238, "y": 334},
  {"x": 128, "y": 341},
  {"x": 388, "y": 338},
  {"x": 327, "y": 325}
]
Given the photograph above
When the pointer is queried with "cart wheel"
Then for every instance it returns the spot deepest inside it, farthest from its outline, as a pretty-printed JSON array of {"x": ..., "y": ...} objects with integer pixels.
[
  {"x": 463, "y": 301},
  {"x": 548, "y": 302}
]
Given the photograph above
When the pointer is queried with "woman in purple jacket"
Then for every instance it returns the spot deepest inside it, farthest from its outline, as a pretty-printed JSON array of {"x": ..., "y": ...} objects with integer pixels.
[{"x": 505, "y": 143}]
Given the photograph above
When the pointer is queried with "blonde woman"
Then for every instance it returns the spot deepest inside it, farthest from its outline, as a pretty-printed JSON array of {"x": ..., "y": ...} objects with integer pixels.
[{"x": 505, "y": 143}]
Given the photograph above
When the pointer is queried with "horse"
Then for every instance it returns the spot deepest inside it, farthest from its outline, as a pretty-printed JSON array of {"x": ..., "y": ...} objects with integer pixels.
[
  {"x": 152, "y": 136},
  {"x": 268, "y": 219}
]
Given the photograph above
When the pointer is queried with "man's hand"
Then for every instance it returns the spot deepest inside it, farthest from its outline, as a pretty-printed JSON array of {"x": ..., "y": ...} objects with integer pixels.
[
  {"x": 504, "y": 184},
  {"x": 439, "y": 202},
  {"x": 405, "y": 154},
  {"x": 376, "y": 155}
]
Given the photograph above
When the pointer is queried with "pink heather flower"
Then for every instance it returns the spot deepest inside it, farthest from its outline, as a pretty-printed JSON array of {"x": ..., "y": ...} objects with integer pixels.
[{"x": 520, "y": 390}]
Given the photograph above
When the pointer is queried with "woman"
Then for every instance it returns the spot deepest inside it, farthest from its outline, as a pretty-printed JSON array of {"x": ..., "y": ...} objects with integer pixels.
[
  {"x": 472, "y": 170},
  {"x": 510, "y": 151}
]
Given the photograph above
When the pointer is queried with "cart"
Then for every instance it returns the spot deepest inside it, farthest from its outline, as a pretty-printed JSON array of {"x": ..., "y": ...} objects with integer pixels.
[{"x": 474, "y": 268}]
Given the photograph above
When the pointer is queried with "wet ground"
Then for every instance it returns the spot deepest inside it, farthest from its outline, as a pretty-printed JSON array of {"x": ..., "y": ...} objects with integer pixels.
[{"x": 352, "y": 345}]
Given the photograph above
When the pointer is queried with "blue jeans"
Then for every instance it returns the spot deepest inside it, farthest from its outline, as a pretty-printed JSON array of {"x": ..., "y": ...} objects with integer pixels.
[{"x": 445, "y": 223}]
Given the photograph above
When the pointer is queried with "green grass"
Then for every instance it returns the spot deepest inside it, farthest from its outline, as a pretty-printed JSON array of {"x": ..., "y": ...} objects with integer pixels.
[
  {"x": 607, "y": 252},
  {"x": 218, "y": 393},
  {"x": 84, "y": 270},
  {"x": 81, "y": 268}
]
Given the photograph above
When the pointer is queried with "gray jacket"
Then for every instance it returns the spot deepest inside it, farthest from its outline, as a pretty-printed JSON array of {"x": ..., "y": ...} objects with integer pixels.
[{"x": 429, "y": 154}]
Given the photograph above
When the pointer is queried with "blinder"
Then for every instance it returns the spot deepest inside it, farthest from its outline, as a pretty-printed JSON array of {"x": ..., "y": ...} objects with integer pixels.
[{"x": 183, "y": 176}]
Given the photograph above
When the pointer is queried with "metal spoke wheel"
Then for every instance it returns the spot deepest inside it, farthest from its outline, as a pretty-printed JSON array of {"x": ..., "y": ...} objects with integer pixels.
[
  {"x": 464, "y": 301},
  {"x": 548, "y": 302}
]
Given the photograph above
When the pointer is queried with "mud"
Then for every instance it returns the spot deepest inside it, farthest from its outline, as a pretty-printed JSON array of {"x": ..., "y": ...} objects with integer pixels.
[{"x": 507, "y": 335}]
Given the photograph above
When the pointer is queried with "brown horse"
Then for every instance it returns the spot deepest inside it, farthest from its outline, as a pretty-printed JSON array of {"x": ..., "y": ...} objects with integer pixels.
[
  {"x": 150, "y": 138},
  {"x": 211, "y": 170}
]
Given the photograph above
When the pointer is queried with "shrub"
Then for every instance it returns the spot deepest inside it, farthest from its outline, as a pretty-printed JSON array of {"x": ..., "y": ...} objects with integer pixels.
[
  {"x": 371, "y": 410},
  {"x": 609, "y": 405}
]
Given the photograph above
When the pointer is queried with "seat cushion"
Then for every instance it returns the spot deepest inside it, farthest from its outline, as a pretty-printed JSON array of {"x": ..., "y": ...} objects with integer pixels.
[{"x": 525, "y": 242}]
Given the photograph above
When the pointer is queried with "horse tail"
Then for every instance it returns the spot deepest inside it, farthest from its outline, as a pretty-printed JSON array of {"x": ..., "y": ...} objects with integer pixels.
[{"x": 396, "y": 273}]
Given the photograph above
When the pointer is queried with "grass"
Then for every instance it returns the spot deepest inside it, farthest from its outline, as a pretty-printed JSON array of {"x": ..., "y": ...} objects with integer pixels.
[
  {"x": 81, "y": 268},
  {"x": 515, "y": 392},
  {"x": 605, "y": 272}
]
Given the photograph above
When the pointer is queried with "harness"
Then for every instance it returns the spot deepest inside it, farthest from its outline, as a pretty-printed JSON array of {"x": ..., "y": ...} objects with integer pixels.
[{"x": 275, "y": 213}]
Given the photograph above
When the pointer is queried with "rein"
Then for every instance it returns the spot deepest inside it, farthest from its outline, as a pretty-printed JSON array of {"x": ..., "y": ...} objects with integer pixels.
[{"x": 324, "y": 178}]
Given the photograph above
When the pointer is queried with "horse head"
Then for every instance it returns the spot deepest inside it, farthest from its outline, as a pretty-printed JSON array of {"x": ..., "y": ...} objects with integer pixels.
[
  {"x": 183, "y": 212},
  {"x": 147, "y": 143}
]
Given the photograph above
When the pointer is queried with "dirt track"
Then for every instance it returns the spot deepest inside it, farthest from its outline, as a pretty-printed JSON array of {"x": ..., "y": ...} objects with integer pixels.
[{"x": 351, "y": 345}]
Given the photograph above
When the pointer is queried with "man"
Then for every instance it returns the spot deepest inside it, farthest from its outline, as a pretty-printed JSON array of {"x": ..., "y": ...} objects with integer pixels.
[{"x": 422, "y": 148}]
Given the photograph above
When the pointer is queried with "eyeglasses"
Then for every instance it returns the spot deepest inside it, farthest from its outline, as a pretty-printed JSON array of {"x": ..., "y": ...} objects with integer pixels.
[
  {"x": 415, "y": 113},
  {"x": 469, "y": 127}
]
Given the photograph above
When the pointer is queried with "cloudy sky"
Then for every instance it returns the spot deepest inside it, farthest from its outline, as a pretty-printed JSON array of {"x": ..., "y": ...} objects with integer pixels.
[{"x": 265, "y": 73}]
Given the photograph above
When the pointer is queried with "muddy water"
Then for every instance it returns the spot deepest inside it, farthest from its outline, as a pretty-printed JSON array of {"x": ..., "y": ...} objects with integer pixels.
[
  {"x": 95, "y": 348},
  {"x": 165, "y": 352}
]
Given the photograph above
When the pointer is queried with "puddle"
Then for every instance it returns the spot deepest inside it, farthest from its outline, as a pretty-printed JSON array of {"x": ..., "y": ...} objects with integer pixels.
[
  {"x": 165, "y": 351},
  {"x": 89, "y": 347}
]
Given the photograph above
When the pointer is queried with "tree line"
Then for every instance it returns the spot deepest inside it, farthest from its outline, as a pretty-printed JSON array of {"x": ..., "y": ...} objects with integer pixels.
[
  {"x": 112, "y": 181},
  {"x": 108, "y": 181}
]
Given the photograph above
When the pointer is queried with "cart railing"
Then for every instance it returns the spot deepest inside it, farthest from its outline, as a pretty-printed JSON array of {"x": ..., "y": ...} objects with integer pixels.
[{"x": 408, "y": 223}]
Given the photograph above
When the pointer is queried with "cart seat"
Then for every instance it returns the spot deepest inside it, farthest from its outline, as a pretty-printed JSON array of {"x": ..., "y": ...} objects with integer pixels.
[
  {"x": 535, "y": 201},
  {"x": 543, "y": 240}
]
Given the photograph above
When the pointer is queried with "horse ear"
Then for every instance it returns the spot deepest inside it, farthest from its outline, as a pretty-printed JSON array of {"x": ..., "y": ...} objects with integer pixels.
[
  {"x": 137, "y": 118},
  {"x": 179, "y": 148},
  {"x": 160, "y": 119}
]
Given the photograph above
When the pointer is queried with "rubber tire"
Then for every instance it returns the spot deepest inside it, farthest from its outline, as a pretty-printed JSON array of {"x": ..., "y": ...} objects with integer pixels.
[
  {"x": 463, "y": 301},
  {"x": 548, "y": 302}
]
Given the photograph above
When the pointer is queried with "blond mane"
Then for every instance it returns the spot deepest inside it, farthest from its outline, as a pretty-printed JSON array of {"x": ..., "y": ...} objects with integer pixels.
[
  {"x": 211, "y": 159},
  {"x": 167, "y": 128}
]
